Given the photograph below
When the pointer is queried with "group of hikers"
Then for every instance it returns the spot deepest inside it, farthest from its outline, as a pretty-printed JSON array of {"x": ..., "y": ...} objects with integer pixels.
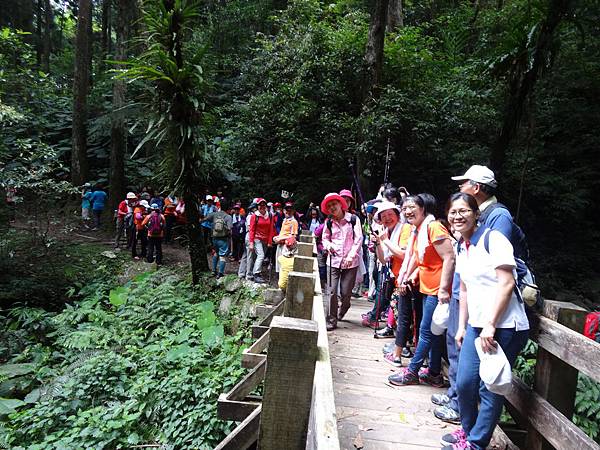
[{"x": 430, "y": 273}]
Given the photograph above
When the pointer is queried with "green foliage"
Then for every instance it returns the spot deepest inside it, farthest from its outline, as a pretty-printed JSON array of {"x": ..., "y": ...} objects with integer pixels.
[
  {"x": 587, "y": 407},
  {"x": 147, "y": 368}
]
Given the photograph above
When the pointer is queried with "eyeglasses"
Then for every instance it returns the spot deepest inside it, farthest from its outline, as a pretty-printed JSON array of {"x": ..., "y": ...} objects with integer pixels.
[{"x": 460, "y": 212}]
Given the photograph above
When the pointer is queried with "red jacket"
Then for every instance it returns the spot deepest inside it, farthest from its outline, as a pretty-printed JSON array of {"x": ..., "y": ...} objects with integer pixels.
[
  {"x": 262, "y": 229},
  {"x": 123, "y": 209}
]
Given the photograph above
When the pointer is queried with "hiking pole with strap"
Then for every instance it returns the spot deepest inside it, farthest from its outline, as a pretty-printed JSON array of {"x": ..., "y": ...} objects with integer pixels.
[
  {"x": 383, "y": 278},
  {"x": 356, "y": 183}
]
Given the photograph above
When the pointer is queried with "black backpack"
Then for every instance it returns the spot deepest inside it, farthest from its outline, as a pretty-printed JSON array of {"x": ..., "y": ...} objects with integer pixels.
[{"x": 239, "y": 227}]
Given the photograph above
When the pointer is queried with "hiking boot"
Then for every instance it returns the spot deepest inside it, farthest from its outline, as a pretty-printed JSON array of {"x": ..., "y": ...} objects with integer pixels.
[
  {"x": 372, "y": 323},
  {"x": 250, "y": 278},
  {"x": 393, "y": 360},
  {"x": 434, "y": 381},
  {"x": 258, "y": 279},
  {"x": 389, "y": 348},
  {"x": 440, "y": 399},
  {"x": 343, "y": 311},
  {"x": 387, "y": 332},
  {"x": 454, "y": 438},
  {"x": 464, "y": 445},
  {"x": 220, "y": 275},
  {"x": 331, "y": 325},
  {"x": 404, "y": 378},
  {"x": 447, "y": 414},
  {"x": 406, "y": 353}
]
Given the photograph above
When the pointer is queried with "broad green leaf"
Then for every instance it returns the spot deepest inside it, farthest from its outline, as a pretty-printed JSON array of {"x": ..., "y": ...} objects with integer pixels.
[
  {"x": 15, "y": 370},
  {"x": 9, "y": 405},
  {"x": 118, "y": 296},
  {"x": 211, "y": 336}
]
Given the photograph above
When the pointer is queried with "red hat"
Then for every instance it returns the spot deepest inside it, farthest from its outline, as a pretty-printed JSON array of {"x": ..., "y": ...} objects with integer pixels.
[
  {"x": 260, "y": 200},
  {"x": 346, "y": 193},
  {"x": 289, "y": 204},
  {"x": 333, "y": 196},
  {"x": 276, "y": 205}
]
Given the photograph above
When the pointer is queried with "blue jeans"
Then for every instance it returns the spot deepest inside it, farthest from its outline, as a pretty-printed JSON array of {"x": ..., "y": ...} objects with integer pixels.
[
  {"x": 221, "y": 251},
  {"x": 453, "y": 351},
  {"x": 428, "y": 342},
  {"x": 479, "y": 424}
]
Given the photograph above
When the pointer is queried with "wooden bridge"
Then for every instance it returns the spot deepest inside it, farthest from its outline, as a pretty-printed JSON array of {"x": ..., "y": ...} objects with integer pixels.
[{"x": 331, "y": 392}]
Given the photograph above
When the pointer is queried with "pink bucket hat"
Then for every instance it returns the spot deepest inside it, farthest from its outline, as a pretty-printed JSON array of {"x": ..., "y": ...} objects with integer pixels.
[
  {"x": 347, "y": 193},
  {"x": 333, "y": 196}
]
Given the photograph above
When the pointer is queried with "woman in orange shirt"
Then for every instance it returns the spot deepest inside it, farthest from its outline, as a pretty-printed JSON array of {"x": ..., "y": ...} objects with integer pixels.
[{"x": 433, "y": 256}]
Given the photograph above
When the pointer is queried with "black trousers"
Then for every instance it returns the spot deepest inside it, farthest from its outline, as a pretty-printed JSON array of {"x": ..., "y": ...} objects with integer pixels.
[
  {"x": 410, "y": 312},
  {"x": 139, "y": 236},
  {"x": 155, "y": 244}
]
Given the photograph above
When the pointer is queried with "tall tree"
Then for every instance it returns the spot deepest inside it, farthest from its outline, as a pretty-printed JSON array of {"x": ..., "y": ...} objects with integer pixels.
[
  {"x": 118, "y": 142},
  {"x": 395, "y": 15},
  {"x": 79, "y": 163},
  {"x": 374, "y": 50},
  {"x": 106, "y": 27},
  {"x": 175, "y": 72},
  {"x": 525, "y": 69},
  {"x": 47, "y": 40}
]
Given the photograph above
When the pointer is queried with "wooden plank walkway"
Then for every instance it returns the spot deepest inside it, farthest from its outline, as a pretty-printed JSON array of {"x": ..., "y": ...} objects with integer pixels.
[{"x": 371, "y": 412}]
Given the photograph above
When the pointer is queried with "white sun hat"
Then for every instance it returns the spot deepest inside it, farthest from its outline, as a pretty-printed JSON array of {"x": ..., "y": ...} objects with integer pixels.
[
  {"x": 494, "y": 369},
  {"x": 439, "y": 320}
]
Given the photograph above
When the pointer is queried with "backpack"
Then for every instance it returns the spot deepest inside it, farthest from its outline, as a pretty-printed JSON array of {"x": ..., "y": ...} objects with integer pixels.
[
  {"x": 220, "y": 229},
  {"x": 526, "y": 289},
  {"x": 352, "y": 222},
  {"x": 517, "y": 239},
  {"x": 155, "y": 225},
  {"x": 591, "y": 328}
]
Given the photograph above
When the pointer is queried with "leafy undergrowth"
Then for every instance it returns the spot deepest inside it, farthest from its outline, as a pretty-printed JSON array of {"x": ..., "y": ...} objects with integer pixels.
[
  {"x": 43, "y": 271},
  {"x": 139, "y": 364}
]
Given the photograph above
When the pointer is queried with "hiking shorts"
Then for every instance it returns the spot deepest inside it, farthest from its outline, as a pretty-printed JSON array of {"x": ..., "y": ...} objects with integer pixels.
[{"x": 221, "y": 245}]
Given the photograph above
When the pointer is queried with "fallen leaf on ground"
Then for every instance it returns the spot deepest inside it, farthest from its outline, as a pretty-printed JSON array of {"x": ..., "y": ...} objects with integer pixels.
[{"x": 358, "y": 442}]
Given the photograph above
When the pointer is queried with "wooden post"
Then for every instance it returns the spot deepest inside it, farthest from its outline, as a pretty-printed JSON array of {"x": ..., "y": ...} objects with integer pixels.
[
  {"x": 291, "y": 358},
  {"x": 555, "y": 380},
  {"x": 299, "y": 295},
  {"x": 305, "y": 249},
  {"x": 303, "y": 264},
  {"x": 307, "y": 238}
]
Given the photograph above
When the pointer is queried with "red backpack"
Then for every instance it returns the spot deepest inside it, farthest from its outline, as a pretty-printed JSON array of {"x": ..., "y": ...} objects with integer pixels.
[
  {"x": 155, "y": 225},
  {"x": 592, "y": 326}
]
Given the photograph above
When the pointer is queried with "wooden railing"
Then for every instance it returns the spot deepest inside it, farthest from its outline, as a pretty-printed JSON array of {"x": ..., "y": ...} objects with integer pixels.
[
  {"x": 544, "y": 413},
  {"x": 291, "y": 356}
]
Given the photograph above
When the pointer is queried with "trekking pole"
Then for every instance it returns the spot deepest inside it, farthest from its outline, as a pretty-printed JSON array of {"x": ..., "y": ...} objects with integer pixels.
[{"x": 329, "y": 286}]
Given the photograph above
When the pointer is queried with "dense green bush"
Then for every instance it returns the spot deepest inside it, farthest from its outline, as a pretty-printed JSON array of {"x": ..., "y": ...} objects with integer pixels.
[{"x": 142, "y": 363}]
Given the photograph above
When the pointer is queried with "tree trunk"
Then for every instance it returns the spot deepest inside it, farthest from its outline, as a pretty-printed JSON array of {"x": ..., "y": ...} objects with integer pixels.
[
  {"x": 38, "y": 33},
  {"x": 106, "y": 10},
  {"x": 184, "y": 114},
  {"x": 523, "y": 80},
  {"x": 118, "y": 142},
  {"x": 79, "y": 164},
  {"x": 47, "y": 45},
  {"x": 374, "y": 50},
  {"x": 395, "y": 15}
]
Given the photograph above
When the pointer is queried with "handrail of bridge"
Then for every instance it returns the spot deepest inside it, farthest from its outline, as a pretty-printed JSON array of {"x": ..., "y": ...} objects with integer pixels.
[
  {"x": 545, "y": 411},
  {"x": 298, "y": 408}
]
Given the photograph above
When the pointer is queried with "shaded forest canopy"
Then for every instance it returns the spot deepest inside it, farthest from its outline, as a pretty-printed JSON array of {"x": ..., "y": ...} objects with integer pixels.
[{"x": 276, "y": 95}]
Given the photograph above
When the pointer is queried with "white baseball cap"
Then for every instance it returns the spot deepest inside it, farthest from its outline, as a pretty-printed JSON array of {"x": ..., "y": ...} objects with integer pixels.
[
  {"x": 209, "y": 197},
  {"x": 494, "y": 370},
  {"x": 131, "y": 196},
  {"x": 479, "y": 174}
]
